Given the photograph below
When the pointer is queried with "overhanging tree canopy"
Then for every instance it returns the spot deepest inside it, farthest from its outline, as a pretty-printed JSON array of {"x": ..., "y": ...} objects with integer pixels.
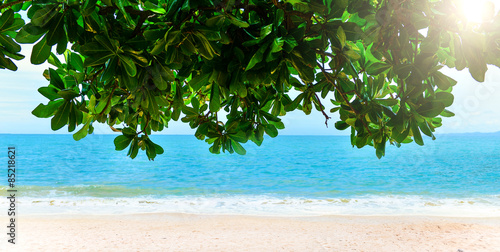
[{"x": 137, "y": 65}]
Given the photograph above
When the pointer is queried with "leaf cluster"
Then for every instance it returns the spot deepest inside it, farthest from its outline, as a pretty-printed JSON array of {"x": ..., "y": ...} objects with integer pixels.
[{"x": 229, "y": 68}]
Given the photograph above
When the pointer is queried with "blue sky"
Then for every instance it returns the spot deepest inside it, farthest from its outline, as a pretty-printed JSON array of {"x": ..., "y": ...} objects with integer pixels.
[{"x": 476, "y": 106}]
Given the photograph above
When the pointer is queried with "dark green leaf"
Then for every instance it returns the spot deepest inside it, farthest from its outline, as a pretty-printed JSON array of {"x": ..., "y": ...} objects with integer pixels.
[
  {"x": 197, "y": 82},
  {"x": 214, "y": 98},
  {"x": 55, "y": 79},
  {"x": 96, "y": 60},
  {"x": 122, "y": 142},
  {"x": 341, "y": 125},
  {"x": 377, "y": 68},
  {"x": 68, "y": 94},
  {"x": 238, "y": 148},
  {"x": 235, "y": 21},
  {"x": 271, "y": 130},
  {"x": 43, "y": 16},
  {"x": 416, "y": 133},
  {"x": 239, "y": 137},
  {"x": 9, "y": 44},
  {"x": 56, "y": 31},
  {"x": 41, "y": 52},
  {"x": 431, "y": 109},
  {"x": 49, "y": 92},
  {"x": 61, "y": 117}
]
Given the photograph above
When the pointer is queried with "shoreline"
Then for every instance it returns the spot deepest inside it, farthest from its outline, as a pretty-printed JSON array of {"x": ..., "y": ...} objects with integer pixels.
[{"x": 192, "y": 232}]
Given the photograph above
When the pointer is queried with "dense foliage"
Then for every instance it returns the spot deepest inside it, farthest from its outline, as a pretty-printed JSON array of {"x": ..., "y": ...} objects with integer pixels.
[{"x": 137, "y": 65}]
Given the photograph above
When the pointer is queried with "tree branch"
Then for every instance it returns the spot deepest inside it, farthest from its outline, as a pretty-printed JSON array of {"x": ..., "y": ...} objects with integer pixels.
[
  {"x": 322, "y": 109},
  {"x": 342, "y": 93},
  {"x": 114, "y": 129},
  {"x": 13, "y": 3}
]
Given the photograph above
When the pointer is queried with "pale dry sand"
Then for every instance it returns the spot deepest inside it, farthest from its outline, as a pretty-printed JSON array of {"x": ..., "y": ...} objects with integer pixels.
[{"x": 183, "y": 232}]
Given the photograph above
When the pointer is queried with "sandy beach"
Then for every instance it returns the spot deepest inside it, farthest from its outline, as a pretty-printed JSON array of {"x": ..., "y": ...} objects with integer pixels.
[{"x": 187, "y": 232}]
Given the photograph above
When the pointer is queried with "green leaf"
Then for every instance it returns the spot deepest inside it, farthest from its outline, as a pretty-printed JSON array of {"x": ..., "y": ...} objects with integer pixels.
[
  {"x": 102, "y": 104},
  {"x": 204, "y": 47},
  {"x": 76, "y": 62},
  {"x": 121, "y": 6},
  {"x": 306, "y": 73},
  {"x": 49, "y": 92},
  {"x": 214, "y": 98},
  {"x": 150, "y": 150},
  {"x": 424, "y": 127},
  {"x": 6, "y": 19},
  {"x": 445, "y": 98},
  {"x": 72, "y": 117},
  {"x": 400, "y": 136},
  {"x": 41, "y": 52},
  {"x": 82, "y": 133},
  {"x": 271, "y": 130},
  {"x": 95, "y": 48},
  {"x": 290, "y": 44},
  {"x": 235, "y": 21},
  {"x": 478, "y": 71},
  {"x": 159, "y": 150},
  {"x": 377, "y": 68},
  {"x": 197, "y": 82},
  {"x": 68, "y": 94},
  {"x": 447, "y": 113},
  {"x": 61, "y": 117},
  {"x": 129, "y": 132},
  {"x": 416, "y": 133},
  {"x": 128, "y": 64},
  {"x": 442, "y": 81},
  {"x": 380, "y": 148},
  {"x": 56, "y": 32},
  {"x": 134, "y": 149},
  {"x": 43, "y": 16},
  {"x": 53, "y": 60},
  {"x": 154, "y": 8},
  {"x": 9, "y": 44},
  {"x": 341, "y": 36},
  {"x": 238, "y": 148},
  {"x": 241, "y": 137},
  {"x": 341, "y": 125},
  {"x": 46, "y": 111},
  {"x": 96, "y": 60},
  {"x": 55, "y": 79},
  {"x": 25, "y": 37},
  {"x": 257, "y": 57},
  {"x": 431, "y": 109},
  {"x": 122, "y": 142},
  {"x": 7, "y": 63},
  {"x": 162, "y": 76},
  {"x": 277, "y": 45},
  {"x": 189, "y": 111}
]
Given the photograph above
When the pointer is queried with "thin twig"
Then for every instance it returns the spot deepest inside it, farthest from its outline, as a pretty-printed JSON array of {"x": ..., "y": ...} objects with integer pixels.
[{"x": 322, "y": 110}]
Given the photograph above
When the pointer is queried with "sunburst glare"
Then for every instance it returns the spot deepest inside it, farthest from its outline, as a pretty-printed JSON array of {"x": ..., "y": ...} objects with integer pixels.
[{"x": 478, "y": 11}]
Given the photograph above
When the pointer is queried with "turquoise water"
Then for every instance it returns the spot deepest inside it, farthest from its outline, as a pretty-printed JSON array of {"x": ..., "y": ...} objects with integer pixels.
[{"x": 453, "y": 175}]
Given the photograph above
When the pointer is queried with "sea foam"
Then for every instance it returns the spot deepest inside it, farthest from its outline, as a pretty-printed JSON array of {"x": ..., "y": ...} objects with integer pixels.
[{"x": 265, "y": 205}]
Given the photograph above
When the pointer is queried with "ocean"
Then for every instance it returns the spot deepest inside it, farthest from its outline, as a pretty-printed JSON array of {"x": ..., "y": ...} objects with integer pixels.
[{"x": 454, "y": 175}]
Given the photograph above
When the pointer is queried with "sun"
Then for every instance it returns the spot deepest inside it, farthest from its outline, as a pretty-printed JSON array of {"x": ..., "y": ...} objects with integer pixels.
[{"x": 478, "y": 11}]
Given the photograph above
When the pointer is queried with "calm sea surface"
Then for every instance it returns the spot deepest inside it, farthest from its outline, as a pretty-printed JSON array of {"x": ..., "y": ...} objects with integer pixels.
[{"x": 456, "y": 175}]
